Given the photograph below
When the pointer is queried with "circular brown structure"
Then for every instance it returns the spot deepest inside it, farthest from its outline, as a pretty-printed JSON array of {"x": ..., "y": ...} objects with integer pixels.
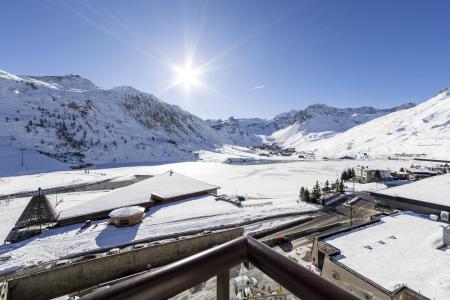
[{"x": 127, "y": 216}]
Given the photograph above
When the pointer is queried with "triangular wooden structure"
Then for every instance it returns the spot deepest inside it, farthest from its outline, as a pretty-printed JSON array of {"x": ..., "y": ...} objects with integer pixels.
[{"x": 38, "y": 213}]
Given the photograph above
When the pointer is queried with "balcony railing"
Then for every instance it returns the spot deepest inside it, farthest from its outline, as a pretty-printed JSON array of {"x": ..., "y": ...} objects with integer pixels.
[{"x": 186, "y": 273}]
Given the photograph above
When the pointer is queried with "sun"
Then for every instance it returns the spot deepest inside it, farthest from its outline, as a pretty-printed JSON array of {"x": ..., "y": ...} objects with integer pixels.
[{"x": 187, "y": 76}]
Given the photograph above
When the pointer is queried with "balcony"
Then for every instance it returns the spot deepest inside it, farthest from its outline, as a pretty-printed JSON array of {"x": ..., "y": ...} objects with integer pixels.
[{"x": 182, "y": 275}]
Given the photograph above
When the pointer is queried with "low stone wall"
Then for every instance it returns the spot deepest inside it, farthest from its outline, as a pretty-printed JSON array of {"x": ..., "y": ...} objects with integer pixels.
[{"x": 81, "y": 275}]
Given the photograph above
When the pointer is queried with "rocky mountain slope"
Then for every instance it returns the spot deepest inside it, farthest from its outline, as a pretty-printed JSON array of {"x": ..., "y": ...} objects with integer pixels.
[
  {"x": 254, "y": 126},
  {"x": 72, "y": 120},
  {"x": 289, "y": 129},
  {"x": 423, "y": 130},
  {"x": 69, "y": 119},
  {"x": 321, "y": 121}
]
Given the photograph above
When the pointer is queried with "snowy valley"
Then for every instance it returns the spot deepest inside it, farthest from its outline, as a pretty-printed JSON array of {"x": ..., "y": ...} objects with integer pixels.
[
  {"x": 123, "y": 140},
  {"x": 67, "y": 120}
]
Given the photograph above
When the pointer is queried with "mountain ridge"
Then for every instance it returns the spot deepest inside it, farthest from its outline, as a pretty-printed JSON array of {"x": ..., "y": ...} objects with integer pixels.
[
  {"x": 422, "y": 130},
  {"x": 74, "y": 121},
  {"x": 294, "y": 124},
  {"x": 71, "y": 119}
]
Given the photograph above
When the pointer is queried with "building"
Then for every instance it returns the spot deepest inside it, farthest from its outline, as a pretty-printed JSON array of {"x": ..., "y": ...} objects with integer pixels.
[
  {"x": 166, "y": 187},
  {"x": 127, "y": 216},
  {"x": 365, "y": 174},
  {"x": 287, "y": 151},
  {"x": 400, "y": 175},
  {"x": 241, "y": 160},
  {"x": 426, "y": 196},
  {"x": 417, "y": 173},
  {"x": 398, "y": 256}
]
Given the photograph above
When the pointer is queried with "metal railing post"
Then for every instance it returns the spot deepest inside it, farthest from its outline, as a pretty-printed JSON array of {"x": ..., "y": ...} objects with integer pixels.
[{"x": 223, "y": 285}]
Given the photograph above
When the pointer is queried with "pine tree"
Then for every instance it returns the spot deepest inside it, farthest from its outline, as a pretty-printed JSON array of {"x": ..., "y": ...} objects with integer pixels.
[
  {"x": 302, "y": 193},
  {"x": 307, "y": 196},
  {"x": 316, "y": 192},
  {"x": 344, "y": 176},
  {"x": 377, "y": 176},
  {"x": 326, "y": 188},
  {"x": 341, "y": 187},
  {"x": 336, "y": 186}
]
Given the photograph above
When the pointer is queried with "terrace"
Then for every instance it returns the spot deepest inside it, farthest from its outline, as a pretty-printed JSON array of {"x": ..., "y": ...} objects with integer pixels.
[{"x": 186, "y": 273}]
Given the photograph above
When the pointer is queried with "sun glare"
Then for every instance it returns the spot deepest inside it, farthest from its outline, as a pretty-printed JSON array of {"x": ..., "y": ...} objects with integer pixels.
[{"x": 187, "y": 76}]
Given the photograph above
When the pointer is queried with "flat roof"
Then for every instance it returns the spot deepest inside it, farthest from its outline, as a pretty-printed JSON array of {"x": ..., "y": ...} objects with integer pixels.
[
  {"x": 166, "y": 185},
  {"x": 435, "y": 190},
  {"x": 400, "y": 249}
]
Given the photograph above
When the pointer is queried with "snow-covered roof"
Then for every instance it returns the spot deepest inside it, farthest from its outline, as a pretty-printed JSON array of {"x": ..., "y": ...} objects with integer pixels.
[
  {"x": 172, "y": 185},
  {"x": 126, "y": 211},
  {"x": 435, "y": 190},
  {"x": 165, "y": 186},
  {"x": 400, "y": 249},
  {"x": 420, "y": 170}
]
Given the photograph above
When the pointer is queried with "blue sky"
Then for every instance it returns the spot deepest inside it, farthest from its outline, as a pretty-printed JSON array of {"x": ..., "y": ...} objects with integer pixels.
[{"x": 265, "y": 57}]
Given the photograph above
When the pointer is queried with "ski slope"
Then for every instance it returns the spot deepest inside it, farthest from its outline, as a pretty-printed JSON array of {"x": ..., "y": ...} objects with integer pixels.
[{"x": 423, "y": 130}]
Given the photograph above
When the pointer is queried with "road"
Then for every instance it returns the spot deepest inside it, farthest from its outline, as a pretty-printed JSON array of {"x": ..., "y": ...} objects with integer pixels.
[{"x": 334, "y": 217}]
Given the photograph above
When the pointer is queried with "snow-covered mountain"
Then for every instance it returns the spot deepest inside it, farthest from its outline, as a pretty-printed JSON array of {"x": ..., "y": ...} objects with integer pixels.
[
  {"x": 254, "y": 126},
  {"x": 320, "y": 121},
  {"x": 237, "y": 131},
  {"x": 72, "y": 120},
  {"x": 420, "y": 130},
  {"x": 291, "y": 128}
]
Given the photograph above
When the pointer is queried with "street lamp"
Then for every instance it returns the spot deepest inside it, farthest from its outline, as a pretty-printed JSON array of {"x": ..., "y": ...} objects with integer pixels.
[{"x": 351, "y": 202}]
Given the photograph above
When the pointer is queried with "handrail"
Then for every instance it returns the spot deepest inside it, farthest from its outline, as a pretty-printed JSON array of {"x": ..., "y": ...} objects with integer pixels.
[
  {"x": 183, "y": 274},
  {"x": 295, "y": 278}
]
